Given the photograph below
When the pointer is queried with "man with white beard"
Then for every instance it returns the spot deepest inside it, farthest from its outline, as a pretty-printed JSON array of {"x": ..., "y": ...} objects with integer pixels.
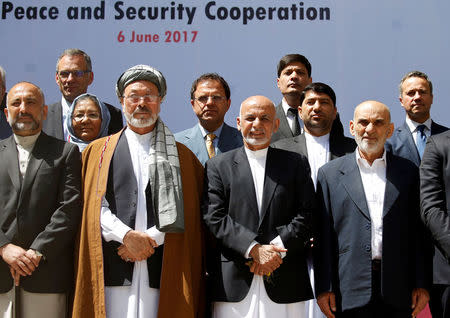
[
  {"x": 372, "y": 254},
  {"x": 141, "y": 195},
  {"x": 258, "y": 205}
]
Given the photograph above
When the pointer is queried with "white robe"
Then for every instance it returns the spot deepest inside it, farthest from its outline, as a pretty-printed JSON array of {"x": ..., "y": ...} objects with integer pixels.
[{"x": 137, "y": 300}]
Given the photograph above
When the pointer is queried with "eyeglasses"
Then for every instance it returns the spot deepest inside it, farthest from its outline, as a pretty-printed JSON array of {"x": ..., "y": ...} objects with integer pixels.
[
  {"x": 147, "y": 98},
  {"x": 215, "y": 99},
  {"x": 91, "y": 116},
  {"x": 76, "y": 73}
]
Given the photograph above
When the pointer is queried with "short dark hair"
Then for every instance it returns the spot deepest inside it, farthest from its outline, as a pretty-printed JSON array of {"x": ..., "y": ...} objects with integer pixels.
[
  {"x": 415, "y": 74},
  {"x": 73, "y": 52},
  {"x": 318, "y": 88},
  {"x": 211, "y": 77},
  {"x": 292, "y": 58}
]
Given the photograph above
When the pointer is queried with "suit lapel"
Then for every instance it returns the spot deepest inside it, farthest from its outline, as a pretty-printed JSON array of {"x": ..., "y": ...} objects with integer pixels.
[
  {"x": 391, "y": 192},
  {"x": 245, "y": 177},
  {"x": 352, "y": 182},
  {"x": 37, "y": 155},
  {"x": 272, "y": 171},
  {"x": 10, "y": 158},
  {"x": 301, "y": 144},
  {"x": 198, "y": 143},
  {"x": 407, "y": 138},
  {"x": 284, "y": 127},
  {"x": 225, "y": 140}
]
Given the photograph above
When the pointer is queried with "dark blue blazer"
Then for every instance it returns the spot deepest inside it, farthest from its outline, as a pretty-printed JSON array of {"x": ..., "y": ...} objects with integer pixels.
[
  {"x": 230, "y": 138},
  {"x": 343, "y": 257},
  {"x": 402, "y": 142},
  {"x": 231, "y": 215}
]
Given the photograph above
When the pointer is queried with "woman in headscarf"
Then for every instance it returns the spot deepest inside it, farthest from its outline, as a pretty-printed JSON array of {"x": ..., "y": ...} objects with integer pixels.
[{"x": 89, "y": 119}]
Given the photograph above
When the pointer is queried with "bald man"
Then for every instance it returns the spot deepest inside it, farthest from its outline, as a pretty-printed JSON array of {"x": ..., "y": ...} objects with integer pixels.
[
  {"x": 40, "y": 209},
  {"x": 258, "y": 205},
  {"x": 372, "y": 257}
]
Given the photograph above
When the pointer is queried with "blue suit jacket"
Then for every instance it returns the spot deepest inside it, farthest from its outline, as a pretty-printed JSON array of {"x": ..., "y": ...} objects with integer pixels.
[
  {"x": 343, "y": 257},
  {"x": 402, "y": 142},
  {"x": 230, "y": 138}
]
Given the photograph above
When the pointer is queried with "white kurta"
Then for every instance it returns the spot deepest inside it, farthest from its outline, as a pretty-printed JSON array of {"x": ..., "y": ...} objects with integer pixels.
[
  {"x": 318, "y": 154},
  {"x": 137, "y": 300},
  {"x": 257, "y": 303}
]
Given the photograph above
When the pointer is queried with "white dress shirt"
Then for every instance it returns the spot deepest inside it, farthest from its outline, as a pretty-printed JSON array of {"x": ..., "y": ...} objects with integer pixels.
[
  {"x": 137, "y": 300},
  {"x": 374, "y": 183},
  {"x": 25, "y": 145},
  {"x": 65, "y": 113},
  {"x": 257, "y": 303},
  {"x": 318, "y": 153}
]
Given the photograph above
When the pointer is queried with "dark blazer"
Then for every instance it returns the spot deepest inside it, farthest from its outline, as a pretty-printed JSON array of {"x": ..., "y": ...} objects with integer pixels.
[
  {"x": 284, "y": 130},
  {"x": 122, "y": 195},
  {"x": 402, "y": 142},
  {"x": 343, "y": 257},
  {"x": 435, "y": 201},
  {"x": 339, "y": 145},
  {"x": 53, "y": 125},
  {"x": 230, "y": 138},
  {"x": 42, "y": 211},
  {"x": 231, "y": 214},
  {"x": 5, "y": 128}
]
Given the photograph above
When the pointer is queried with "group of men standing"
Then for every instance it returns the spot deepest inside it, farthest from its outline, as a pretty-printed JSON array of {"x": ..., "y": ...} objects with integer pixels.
[{"x": 234, "y": 223}]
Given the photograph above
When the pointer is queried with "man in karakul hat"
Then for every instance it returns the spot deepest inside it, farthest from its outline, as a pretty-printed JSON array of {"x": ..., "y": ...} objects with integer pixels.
[{"x": 140, "y": 248}]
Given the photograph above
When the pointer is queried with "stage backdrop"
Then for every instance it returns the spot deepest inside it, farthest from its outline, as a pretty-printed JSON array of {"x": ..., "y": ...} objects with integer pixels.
[{"x": 359, "y": 47}]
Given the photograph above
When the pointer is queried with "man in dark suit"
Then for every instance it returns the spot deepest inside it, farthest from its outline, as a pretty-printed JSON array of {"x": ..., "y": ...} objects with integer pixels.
[
  {"x": 317, "y": 143},
  {"x": 5, "y": 129},
  {"x": 210, "y": 100},
  {"x": 416, "y": 97},
  {"x": 408, "y": 141},
  {"x": 40, "y": 209},
  {"x": 294, "y": 74},
  {"x": 435, "y": 206},
  {"x": 258, "y": 205},
  {"x": 371, "y": 258},
  {"x": 73, "y": 76}
]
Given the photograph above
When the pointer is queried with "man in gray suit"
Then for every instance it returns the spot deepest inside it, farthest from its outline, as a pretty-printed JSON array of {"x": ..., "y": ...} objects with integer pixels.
[
  {"x": 372, "y": 255},
  {"x": 40, "y": 209},
  {"x": 5, "y": 129},
  {"x": 73, "y": 75},
  {"x": 210, "y": 100}
]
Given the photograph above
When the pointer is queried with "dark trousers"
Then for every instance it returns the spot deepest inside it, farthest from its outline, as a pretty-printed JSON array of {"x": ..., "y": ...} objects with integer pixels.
[
  {"x": 440, "y": 301},
  {"x": 376, "y": 308}
]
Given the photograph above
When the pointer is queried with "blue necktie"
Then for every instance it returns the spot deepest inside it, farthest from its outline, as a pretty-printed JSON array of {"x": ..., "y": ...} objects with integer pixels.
[{"x": 421, "y": 139}]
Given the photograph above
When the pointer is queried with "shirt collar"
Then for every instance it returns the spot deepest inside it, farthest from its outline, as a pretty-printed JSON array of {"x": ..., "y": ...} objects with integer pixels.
[
  {"x": 286, "y": 107},
  {"x": 363, "y": 162},
  {"x": 322, "y": 140},
  {"x": 65, "y": 105},
  {"x": 412, "y": 125},
  {"x": 26, "y": 141},
  {"x": 215, "y": 132},
  {"x": 256, "y": 154}
]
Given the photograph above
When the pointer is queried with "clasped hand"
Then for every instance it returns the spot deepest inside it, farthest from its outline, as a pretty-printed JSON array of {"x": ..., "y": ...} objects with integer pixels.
[
  {"x": 266, "y": 259},
  {"x": 21, "y": 262},
  {"x": 137, "y": 246}
]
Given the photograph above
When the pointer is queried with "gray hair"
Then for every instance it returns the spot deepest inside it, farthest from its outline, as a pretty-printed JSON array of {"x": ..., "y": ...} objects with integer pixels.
[
  {"x": 72, "y": 52},
  {"x": 3, "y": 76},
  {"x": 415, "y": 74},
  {"x": 141, "y": 73}
]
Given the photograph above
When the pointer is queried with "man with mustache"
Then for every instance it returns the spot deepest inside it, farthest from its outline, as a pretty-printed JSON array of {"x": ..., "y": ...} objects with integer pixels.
[
  {"x": 141, "y": 237},
  {"x": 210, "y": 100},
  {"x": 40, "y": 210},
  {"x": 74, "y": 75},
  {"x": 372, "y": 255},
  {"x": 408, "y": 141},
  {"x": 258, "y": 205}
]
